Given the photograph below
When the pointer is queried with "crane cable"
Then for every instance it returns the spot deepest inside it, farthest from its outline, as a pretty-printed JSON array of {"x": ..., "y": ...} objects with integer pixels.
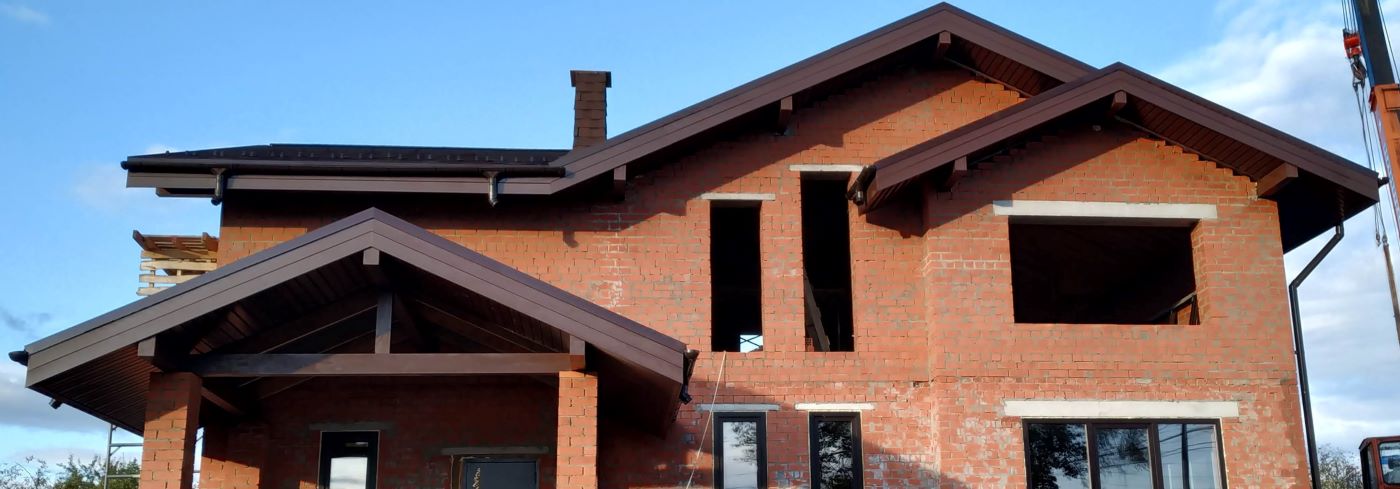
[{"x": 1372, "y": 127}]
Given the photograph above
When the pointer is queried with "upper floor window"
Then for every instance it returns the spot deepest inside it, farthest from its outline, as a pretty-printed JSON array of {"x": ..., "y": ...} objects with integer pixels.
[
  {"x": 1102, "y": 274},
  {"x": 1114, "y": 455},
  {"x": 736, "y": 305},
  {"x": 348, "y": 459},
  {"x": 826, "y": 262}
]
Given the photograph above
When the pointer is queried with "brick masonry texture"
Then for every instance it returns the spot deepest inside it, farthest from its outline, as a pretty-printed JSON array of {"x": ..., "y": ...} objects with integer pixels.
[
  {"x": 417, "y": 418},
  {"x": 172, "y": 421},
  {"x": 937, "y": 350}
]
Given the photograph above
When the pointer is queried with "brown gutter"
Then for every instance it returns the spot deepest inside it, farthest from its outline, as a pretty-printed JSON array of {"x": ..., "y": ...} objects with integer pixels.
[{"x": 283, "y": 167}]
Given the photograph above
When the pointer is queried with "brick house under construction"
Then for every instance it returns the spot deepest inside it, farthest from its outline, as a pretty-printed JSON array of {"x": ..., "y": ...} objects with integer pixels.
[{"x": 938, "y": 255}]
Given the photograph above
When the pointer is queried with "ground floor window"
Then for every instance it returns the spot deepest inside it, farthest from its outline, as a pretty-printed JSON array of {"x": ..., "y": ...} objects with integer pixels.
[
  {"x": 740, "y": 461},
  {"x": 1117, "y": 455},
  {"x": 487, "y": 473},
  {"x": 835, "y": 451},
  {"x": 348, "y": 459}
]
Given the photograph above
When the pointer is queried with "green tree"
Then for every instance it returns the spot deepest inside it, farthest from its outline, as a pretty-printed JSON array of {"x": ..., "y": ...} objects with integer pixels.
[
  {"x": 1338, "y": 468},
  {"x": 33, "y": 473}
]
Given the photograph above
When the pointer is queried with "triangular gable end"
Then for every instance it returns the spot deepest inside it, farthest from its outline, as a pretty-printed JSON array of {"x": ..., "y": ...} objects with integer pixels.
[
  {"x": 108, "y": 343},
  {"x": 1215, "y": 133},
  {"x": 974, "y": 42}
]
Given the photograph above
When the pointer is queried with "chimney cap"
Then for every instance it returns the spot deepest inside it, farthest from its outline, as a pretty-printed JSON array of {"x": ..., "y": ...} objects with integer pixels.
[{"x": 576, "y": 75}]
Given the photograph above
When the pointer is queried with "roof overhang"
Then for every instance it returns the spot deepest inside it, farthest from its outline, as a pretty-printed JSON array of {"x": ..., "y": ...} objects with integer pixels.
[
  {"x": 942, "y": 33},
  {"x": 1308, "y": 204},
  {"x": 96, "y": 367}
]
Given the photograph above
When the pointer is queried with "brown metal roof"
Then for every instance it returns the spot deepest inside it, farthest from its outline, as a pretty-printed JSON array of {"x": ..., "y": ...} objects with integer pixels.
[
  {"x": 350, "y": 159},
  {"x": 1228, "y": 138},
  {"x": 93, "y": 366},
  {"x": 975, "y": 43}
]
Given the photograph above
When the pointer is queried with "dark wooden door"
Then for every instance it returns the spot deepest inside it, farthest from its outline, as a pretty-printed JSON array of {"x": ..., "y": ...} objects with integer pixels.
[{"x": 499, "y": 474}]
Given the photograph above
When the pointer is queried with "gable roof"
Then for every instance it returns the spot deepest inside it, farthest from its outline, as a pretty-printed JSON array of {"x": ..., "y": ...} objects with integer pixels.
[
  {"x": 996, "y": 52},
  {"x": 62, "y": 365},
  {"x": 1216, "y": 133}
]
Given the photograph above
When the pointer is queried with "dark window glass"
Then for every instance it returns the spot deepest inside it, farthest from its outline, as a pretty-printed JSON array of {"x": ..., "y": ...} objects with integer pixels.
[
  {"x": 1087, "y": 274},
  {"x": 1390, "y": 462},
  {"x": 826, "y": 262},
  {"x": 736, "y": 307},
  {"x": 1202, "y": 456},
  {"x": 348, "y": 460},
  {"x": 1170, "y": 439},
  {"x": 479, "y": 473},
  {"x": 835, "y": 451},
  {"x": 1057, "y": 456},
  {"x": 739, "y": 452},
  {"x": 1124, "y": 456}
]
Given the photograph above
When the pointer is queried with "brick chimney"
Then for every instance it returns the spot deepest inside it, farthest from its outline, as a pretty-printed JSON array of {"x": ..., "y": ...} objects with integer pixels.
[{"x": 590, "y": 106}]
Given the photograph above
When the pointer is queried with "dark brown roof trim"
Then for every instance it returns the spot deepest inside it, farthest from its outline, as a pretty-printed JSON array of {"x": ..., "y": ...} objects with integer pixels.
[
  {"x": 569, "y": 169},
  {"x": 358, "y": 168},
  {"x": 882, "y": 179},
  {"x": 611, "y": 333},
  {"x": 691, "y": 121}
]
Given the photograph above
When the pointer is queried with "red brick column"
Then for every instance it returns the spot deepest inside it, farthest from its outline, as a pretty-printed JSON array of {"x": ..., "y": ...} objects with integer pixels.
[
  {"x": 172, "y": 418},
  {"x": 576, "y": 448}
]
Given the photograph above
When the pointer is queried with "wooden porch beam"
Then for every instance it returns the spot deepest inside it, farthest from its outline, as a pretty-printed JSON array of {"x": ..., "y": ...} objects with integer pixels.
[
  {"x": 1119, "y": 100},
  {"x": 384, "y": 323},
  {"x": 230, "y": 403},
  {"x": 434, "y": 313},
  {"x": 1278, "y": 178},
  {"x": 308, "y": 325},
  {"x": 157, "y": 353},
  {"x": 370, "y": 364},
  {"x": 619, "y": 182},
  {"x": 164, "y": 356},
  {"x": 577, "y": 348},
  {"x": 784, "y": 114},
  {"x": 372, "y": 262},
  {"x": 945, "y": 41},
  {"x": 412, "y": 330},
  {"x": 958, "y": 171}
]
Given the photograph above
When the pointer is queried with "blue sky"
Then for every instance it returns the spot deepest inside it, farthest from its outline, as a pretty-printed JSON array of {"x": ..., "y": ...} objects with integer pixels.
[{"x": 84, "y": 84}]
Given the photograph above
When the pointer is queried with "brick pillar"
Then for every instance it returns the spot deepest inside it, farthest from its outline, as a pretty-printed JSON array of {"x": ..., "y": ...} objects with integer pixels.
[
  {"x": 172, "y": 418},
  {"x": 576, "y": 448}
]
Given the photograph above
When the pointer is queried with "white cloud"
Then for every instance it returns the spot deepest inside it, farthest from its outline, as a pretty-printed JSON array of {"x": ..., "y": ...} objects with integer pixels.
[
  {"x": 102, "y": 187},
  {"x": 1282, "y": 63},
  {"x": 21, "y": 13},
  {"x": 159, "y": 148},
  {"x": 28, "y": 409}
]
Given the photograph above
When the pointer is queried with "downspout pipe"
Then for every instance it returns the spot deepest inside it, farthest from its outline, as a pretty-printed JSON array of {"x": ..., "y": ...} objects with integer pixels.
[{"x": 1301, "y": 357}]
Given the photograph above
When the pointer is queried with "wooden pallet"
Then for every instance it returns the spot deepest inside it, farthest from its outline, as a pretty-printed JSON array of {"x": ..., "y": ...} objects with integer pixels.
[{"x": 169, "y": 260}]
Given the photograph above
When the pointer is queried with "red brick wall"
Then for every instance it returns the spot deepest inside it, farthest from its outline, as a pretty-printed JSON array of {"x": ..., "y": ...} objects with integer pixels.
[
  {"x": 417, "y": 419},
  {"x": 936, "y": 349},
  {"x": 1241, "y": 351}
]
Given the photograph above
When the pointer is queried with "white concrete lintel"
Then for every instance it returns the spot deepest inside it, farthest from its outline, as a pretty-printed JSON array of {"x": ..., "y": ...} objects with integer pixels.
[
  {"x": 827, "y": 168},
  {"x": 1122, "y": 409},
  {"x": 1072, "y": 212},
  {"x": 835, "y": 407},
  {"x": 737, "y": 408},
  {"x": 737, "y": 196}
]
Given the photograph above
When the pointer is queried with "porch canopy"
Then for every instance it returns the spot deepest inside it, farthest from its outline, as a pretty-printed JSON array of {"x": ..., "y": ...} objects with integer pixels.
[{"x": 369, "y": 295}]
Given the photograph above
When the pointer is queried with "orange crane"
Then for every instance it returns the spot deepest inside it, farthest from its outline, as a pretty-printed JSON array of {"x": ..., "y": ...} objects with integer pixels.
[{"x": 1368, "y": 48}]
